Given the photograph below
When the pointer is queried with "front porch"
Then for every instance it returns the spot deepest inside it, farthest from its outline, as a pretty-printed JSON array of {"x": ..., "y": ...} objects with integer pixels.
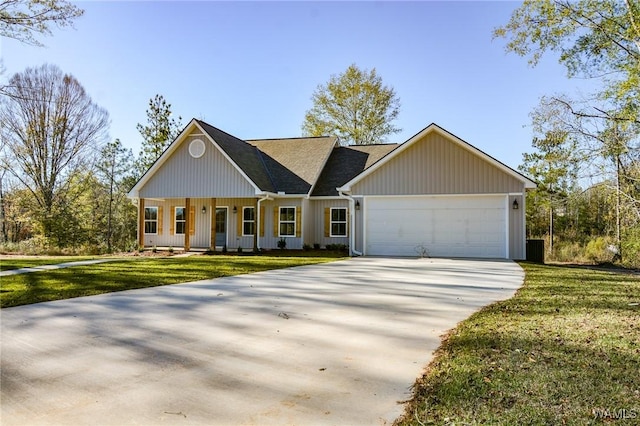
[{"x": 214, "y": 224}]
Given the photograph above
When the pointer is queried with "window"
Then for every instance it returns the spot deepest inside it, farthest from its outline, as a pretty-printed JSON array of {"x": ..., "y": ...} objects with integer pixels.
[
  {"x": 287, "y": 221},
  {"x": 248, "y": 221},
  {"x": 339, "y": 222},
  {"x": 180, "y": 220},
  {"x": 150, "y": 220}
]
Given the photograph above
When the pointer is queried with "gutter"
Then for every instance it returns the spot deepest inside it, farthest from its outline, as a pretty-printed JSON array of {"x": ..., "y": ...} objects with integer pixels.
[
  {"x": 352, "y": 221},
  {"x": 266, "y": 196}
]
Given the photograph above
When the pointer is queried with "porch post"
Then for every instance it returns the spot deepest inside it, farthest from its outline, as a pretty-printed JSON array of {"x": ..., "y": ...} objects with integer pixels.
[
  {"x": 187, "y": 224},
  {"x": 140, "y": 222},
  {"x": 212, "y": 207}
]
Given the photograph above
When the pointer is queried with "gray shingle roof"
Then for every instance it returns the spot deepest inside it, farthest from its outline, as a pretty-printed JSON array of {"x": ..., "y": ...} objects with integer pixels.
[
  {"x": 345, "y": 163},
  {"x": 295, "y": 164}
]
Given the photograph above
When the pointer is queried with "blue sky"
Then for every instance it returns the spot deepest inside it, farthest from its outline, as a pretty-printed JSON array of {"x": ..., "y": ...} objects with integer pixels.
[{"x": 250, "y": 68}]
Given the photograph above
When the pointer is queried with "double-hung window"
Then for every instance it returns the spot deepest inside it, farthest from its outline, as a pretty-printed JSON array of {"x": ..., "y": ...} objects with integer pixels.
[
  {"x": 338, "y": 222},
  {"x": 248, "y": 221},
  {"x": 181, "y": 220},
  {"x": 287, "y": 222},
  {"x": 150, "y": 220}
]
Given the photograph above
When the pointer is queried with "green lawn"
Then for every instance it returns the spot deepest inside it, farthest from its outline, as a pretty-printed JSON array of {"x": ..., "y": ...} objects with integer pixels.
[
  {"x": 29, "y": 262},
  {"x": 564, "y": 350},
  {"x": 135, "y": 273}
]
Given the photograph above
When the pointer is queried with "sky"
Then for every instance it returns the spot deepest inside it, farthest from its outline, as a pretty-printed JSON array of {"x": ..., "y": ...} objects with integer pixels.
[{"x": 250, "y": 68}]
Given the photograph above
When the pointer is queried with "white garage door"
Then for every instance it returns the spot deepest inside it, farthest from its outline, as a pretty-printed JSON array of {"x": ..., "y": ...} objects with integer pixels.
[{"x": 446, "y": 226}]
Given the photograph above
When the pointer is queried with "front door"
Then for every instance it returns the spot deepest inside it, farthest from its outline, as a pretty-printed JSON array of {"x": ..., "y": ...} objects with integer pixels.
[{"x": 221, "y": 227}]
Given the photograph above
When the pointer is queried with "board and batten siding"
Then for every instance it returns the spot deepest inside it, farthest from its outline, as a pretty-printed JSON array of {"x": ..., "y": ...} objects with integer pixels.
[
  {"x": 317, "y": 219},
  {"x": 270, "y": 238},
  {"x": 167, "y": 238},
  {"x": 437, "y": 165},
  {"x": 211, "y": 175}
]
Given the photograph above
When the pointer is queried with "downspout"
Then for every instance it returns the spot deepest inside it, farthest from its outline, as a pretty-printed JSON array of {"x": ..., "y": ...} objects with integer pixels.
[
  {"x": 352, "y": 224},
  {"x": 264, "y": 198}
]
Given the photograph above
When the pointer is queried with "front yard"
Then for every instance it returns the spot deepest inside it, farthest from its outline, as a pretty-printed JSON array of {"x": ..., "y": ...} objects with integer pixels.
[{"x": 564, "y": 350}]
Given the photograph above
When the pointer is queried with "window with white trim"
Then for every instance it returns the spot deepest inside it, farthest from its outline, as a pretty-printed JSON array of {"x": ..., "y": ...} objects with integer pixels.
[
  {"x": 287, "y": 220},
  {"x": 338, "y": 225},
  {"x": 181, "y": 220},
  {"x": 248, "y": 221},
  {"x": 150, "y": 220}
]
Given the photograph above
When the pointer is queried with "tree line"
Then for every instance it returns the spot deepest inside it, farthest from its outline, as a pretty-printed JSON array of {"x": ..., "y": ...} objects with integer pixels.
[
  {"x": 586, "y": 156},
  {"x": 63, "y": 184}
]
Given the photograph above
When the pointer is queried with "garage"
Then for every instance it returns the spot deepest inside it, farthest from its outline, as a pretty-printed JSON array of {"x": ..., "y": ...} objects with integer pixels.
[{"x": 444, "y": 225}]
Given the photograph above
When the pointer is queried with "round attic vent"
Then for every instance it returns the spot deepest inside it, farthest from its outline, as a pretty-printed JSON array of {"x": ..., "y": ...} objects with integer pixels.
[{"x": 196, "y": 148}]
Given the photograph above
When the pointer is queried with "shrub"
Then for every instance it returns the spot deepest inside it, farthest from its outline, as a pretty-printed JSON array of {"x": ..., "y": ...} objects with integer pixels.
[
  {"x": 306, "y": 247},
  {"x": 598, "y": 251},
  {"x": 282, "y": 244},
  {"x": 316, "y": 246},
  {"x": 239, "y": 249}
]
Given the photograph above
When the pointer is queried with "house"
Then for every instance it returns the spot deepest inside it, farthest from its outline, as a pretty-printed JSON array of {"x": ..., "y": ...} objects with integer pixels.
[{"x": 434, "y": 193}]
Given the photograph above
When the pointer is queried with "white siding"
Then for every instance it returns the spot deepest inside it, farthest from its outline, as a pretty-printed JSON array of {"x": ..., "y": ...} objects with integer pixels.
[
  {"x": 436, "y": 165},
  {"x": 269, "y": 240},
  {"x": 202, "y": 224},
  {"x": 317, "y": 235},
  {"x": 211, "y": 175}
]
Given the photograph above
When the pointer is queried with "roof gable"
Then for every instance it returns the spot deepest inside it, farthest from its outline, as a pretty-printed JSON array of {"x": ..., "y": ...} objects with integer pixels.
[
  {"x": 225, "y": 146},
  {"x": 528, "y": 183}
]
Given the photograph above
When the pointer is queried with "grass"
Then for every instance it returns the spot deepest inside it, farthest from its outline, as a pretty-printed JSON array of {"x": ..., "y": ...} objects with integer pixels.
[
  {"x": 566, "y": 346},
  {"x": 26, "y": 262},
  {"x": 134, "y": 273}
]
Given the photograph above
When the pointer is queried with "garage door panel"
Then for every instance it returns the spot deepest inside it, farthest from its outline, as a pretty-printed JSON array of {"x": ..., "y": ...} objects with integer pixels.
[{"x": 472, "y": 226}]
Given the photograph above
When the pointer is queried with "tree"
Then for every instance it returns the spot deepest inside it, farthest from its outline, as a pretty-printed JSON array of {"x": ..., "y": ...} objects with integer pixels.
[
  {"x": 160, "y": 131},
  {"x": 595, "y": 39},
  {"x": 113, "y": 167},
  {"x": 600, "y": 40},
  {"x": 553, "y": 168},
  {"x": 355, "y": 106},
  {"x": 606, "y": 150},
  {"x": 49, "y": 126},
  {"x": 22, "y": 20}
]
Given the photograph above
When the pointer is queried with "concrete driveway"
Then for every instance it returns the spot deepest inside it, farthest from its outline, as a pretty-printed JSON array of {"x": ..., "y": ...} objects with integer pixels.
[{"x": 335, "y": 344}]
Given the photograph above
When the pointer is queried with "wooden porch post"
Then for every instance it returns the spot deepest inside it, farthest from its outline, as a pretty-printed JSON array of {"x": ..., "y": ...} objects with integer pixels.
[
  {"x": 187, "y": 224},
  {"x": 140, "y": 222},
  {"x": 212, "y": 207}
]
